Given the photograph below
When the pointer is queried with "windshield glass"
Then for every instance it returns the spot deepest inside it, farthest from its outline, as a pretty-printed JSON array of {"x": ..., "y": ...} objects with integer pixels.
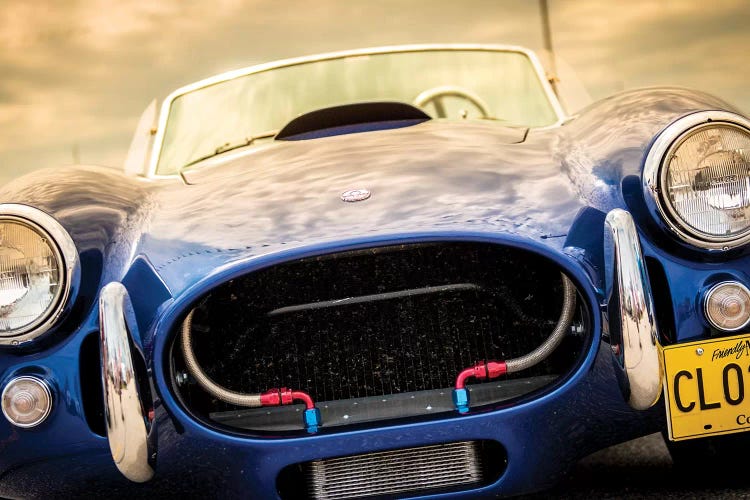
[{"x": 466, "y": 83}]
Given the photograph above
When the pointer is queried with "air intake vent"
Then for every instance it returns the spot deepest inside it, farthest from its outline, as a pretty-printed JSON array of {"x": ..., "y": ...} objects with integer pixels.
[
  {"x": 413, "y": 470},
  {"x": 377, "y": 333}
]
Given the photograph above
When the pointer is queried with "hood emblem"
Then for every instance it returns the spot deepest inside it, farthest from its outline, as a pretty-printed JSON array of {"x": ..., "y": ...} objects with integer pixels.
[{"x": 355, "y": 195}]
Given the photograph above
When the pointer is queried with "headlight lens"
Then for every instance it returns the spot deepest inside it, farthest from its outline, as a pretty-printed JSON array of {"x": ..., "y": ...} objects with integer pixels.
[
  {"x": 697, "y": 174},
  {"x": 706, "y": 181},
  {"x": 39, "y": 270},
  {"x": 31, "y": 277}
]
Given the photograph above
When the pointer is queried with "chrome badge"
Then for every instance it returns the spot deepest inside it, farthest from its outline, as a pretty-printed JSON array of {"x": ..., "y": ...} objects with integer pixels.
[{"x": 355, "y": 195}]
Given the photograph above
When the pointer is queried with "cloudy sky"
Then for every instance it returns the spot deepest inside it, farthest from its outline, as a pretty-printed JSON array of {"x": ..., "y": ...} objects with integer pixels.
[{"x": 77, "y": 74}]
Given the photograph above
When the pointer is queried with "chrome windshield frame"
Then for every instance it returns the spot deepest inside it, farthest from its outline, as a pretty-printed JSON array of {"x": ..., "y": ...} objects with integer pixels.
[{"x": 284, "y": 63}]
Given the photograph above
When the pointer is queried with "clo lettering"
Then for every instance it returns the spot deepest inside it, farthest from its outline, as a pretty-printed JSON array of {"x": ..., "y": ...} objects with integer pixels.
[{"x": 731, "y": 376}]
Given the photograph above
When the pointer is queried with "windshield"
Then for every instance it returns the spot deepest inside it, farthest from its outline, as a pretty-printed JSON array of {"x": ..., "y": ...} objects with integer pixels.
[{"x": 465, "y": 83}]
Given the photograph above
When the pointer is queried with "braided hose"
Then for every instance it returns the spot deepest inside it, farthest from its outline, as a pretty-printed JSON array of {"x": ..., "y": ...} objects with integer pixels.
[
  {"x": 512, "y": 365},
  {"x": 561, "y": 329},
  {"x": 217, "y": 391}
]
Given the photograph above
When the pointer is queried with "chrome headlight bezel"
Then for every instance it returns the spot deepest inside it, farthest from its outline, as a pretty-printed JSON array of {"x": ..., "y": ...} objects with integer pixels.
[
  {"x": 654, "y": 176},
  {"x": 65, "y": 251}
]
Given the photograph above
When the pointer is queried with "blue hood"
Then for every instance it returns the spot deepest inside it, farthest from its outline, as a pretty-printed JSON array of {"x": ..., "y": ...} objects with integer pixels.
[{"x": 432, "y": 177}]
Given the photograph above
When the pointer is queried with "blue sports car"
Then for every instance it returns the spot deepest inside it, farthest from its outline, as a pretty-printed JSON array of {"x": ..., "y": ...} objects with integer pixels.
[{"x": 393, "y": 272}]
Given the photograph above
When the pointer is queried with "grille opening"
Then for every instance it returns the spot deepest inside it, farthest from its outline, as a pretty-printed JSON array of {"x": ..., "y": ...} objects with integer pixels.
[
  {"x": 378, "y": 333},
  {"x": 442, "y": 468},
  {"x": 92, "y": 393}
]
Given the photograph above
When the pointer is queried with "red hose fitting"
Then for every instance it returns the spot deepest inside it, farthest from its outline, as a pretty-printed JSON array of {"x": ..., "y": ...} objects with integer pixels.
[
  {"x": 489, "y": 370},
  {"x": 496, "y": 368},
  {"x": 284, "y": 396},
  {"x": 305, "y": 398},
  {"x": 465, "y": 374},
  {"x": 272, "y": 397}
]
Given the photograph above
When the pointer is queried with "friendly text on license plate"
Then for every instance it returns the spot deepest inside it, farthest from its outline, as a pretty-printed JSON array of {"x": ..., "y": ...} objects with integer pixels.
[{"x": 707, "y": 387}]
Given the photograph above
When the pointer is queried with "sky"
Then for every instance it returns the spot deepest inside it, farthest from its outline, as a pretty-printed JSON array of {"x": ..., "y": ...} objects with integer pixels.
[{"x": 77, "y": 74}]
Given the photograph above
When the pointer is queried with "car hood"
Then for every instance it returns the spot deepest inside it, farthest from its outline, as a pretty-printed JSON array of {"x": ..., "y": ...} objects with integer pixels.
[
  {"x": 437, "y": 173},
  {"x": 434, "y": 134},
  {"x": 437, "y": 176}
]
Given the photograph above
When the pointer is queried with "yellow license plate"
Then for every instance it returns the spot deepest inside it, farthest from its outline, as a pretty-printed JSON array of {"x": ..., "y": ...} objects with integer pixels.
[{"x": 707, "y": 387}]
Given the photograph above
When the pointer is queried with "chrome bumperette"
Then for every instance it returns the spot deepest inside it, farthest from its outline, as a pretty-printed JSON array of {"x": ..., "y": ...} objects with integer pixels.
[
  {"x": 633, "y": 332},
  {"x": 130, "y": 427}
]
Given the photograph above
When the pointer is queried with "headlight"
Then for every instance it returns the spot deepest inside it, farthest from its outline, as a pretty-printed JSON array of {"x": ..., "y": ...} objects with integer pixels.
[
  {"x": 698, "y": 174},
  {"x": 38, "y": 267}
]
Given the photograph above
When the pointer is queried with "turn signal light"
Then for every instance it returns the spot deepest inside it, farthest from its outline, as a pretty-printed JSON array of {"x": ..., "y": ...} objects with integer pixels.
[
  {"x": 26, "y": 401},
  {"x": 727, "y": 306}
]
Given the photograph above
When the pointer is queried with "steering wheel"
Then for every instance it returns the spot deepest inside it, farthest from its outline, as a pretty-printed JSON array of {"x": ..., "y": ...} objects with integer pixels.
[{"x": 436, "y": 95}]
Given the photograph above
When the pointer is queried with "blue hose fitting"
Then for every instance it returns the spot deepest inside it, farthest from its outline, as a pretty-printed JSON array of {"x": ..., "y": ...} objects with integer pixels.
[
  {"x": 312, "y": 420},
  {"x": 461, "y": 400}
]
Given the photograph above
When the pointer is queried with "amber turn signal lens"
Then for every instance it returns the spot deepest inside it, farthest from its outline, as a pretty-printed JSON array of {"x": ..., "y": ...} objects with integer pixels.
[
  {"x": 727, "y": 306},
  {"x": 26, "y": 401}
]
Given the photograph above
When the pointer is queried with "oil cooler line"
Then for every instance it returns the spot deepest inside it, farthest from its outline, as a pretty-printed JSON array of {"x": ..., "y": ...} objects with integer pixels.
[
  {"x": 493, "y": 369},
  {"x": 481, "y": 370},
  {"x": 272, "y": 397}
]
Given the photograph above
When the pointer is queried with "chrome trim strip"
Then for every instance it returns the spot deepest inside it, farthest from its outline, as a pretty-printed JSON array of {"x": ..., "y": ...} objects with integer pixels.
[
  {"x": 635, "y": 336},
  {"x": 259, "y": 68},
  {"x": 654, "y": 175},
  {"x": 411, "y": 292},
  {"x": 66, "y": 252},
  {"x": 130, "y": 427}
]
